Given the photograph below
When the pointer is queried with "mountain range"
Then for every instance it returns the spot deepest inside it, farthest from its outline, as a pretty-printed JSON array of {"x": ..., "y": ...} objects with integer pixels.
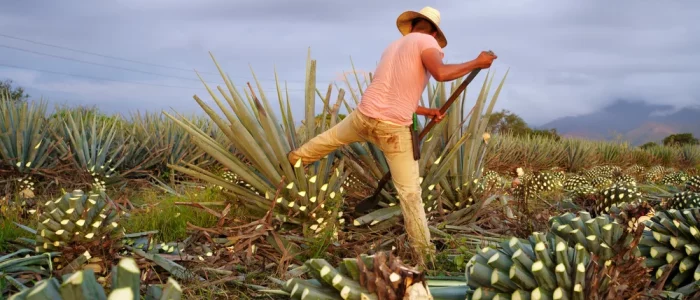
[{"x": 636, "y": 122}]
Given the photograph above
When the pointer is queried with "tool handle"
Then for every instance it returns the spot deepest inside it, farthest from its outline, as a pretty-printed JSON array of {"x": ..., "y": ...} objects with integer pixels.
[{"x": 449, "y": 102}]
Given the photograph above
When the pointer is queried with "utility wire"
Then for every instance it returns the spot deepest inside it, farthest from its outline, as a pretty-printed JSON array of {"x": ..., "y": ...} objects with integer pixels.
[
  {"x": 101, "y": 55},
  {"x": 116, "y": 80},
  {"x": 114, "y": 57},
  {"x": 99, "y": 64}
]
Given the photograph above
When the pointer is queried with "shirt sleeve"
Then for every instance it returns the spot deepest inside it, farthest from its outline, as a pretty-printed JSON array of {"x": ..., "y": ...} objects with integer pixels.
[{"x": 426, "y": 42}]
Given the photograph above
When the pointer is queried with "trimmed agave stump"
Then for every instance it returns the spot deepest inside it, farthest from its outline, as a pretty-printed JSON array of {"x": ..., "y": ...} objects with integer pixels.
[
  {"x": 378, "y": 277},
  {"x": 672, "y": 246},
  {"x": 533, "y": 269},
  {"x": 683, "y": 200},
  {"x": 84, "y": 227},
  {"x": 693, "y": 184},
  {"x": 582, "y": 258}
]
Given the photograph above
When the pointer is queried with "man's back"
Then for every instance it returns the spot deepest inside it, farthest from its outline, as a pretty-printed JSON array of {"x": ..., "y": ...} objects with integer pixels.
[{"x": 399, "y": 80}]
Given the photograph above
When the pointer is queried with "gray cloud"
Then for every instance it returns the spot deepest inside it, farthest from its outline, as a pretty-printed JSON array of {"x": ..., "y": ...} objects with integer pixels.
[{"x": 565, "y": 57}]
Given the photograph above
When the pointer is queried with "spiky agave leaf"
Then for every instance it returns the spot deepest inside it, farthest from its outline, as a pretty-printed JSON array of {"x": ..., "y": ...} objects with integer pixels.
[
  {"x": 263, "y": 142},
  {"x": 671, "y": 246},
  {"x": 25, "y": 137}
]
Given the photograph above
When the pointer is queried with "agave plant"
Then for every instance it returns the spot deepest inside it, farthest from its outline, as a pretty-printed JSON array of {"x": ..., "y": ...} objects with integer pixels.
[
  {"x": 168, "y": 142},
  {"x": 25, "y": 139},
  {"x": 93, "y": 144},
  {"x": 263, "y": 141},
  {"x": 78, "y": 225},
  {"x": 671, "y": 247},
  {"x": 546, "y": 266},
  {"x": 689, "y": 155}
]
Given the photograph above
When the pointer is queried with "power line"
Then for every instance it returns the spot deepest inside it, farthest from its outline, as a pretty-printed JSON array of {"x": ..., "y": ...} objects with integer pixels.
[
  {"x": 114, "y": 57},
  {"x": 101, "y": 55},
  {"x": 115, "y": 80},
  {"x": 99, "y": 64}
]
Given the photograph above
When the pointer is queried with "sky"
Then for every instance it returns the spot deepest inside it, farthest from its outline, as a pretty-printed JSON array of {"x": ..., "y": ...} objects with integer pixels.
[{"x": 565, "y": 57}]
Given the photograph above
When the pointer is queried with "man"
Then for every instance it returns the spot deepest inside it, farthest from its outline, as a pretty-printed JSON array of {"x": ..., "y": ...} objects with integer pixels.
[{"x": 385, "y": 113}]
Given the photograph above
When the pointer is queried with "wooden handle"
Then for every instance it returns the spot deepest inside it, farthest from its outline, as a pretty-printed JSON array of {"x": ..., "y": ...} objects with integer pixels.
[{"x": 449, "y": 102}]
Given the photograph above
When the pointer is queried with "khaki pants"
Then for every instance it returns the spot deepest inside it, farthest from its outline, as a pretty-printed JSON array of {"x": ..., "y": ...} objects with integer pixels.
[{"x": 396, "y": 144}]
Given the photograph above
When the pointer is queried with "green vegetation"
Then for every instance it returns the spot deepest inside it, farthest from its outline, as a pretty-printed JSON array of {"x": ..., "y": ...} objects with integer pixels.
[
  {"x": 507, "y": 122},
  {"x": 14, "y": 93},
  {"x": 680, "y": 139}
]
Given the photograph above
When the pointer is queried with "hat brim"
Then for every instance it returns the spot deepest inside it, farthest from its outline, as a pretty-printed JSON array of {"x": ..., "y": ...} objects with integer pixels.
[{"x": 403, "y": 22}]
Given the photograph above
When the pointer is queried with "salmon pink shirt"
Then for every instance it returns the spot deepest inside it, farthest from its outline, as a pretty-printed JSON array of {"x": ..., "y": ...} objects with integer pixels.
[{"x": 399, "y": 80}]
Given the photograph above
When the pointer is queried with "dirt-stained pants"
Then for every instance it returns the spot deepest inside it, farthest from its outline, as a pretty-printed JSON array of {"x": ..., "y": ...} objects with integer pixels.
[{"x": 396, "y": 144}]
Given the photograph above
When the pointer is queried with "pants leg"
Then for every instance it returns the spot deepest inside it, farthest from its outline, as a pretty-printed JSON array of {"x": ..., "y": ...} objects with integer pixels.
[
  {"x": 396, "y": 144},
  {"x": 343, "y": 133}
]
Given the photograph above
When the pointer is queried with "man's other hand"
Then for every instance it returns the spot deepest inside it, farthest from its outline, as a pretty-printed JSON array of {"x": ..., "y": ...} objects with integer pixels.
[
  {"x": 485, "y": 59},
  {"x": 435, "y": 115}
]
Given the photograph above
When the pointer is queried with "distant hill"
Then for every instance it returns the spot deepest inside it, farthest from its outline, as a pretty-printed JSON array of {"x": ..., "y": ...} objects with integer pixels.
[{"x": 637, "y": 122}]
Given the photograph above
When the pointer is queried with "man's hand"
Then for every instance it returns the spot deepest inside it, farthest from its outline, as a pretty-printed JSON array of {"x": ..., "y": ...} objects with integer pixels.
[
  {"x": 485, "y": 59},
  {"x": 432, "y": 113},
  {"x": 435, "y": 115}
]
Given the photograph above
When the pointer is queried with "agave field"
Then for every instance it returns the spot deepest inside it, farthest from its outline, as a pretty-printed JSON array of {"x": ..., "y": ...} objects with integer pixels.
[{"x": 206, "y": 206}]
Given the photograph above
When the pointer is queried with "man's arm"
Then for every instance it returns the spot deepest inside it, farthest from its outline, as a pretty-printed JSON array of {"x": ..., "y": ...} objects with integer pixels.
[
  {"x": 424, "y": 111},
  {"x": 432, "y": 113},
  {"x": 432, "y": 60}
]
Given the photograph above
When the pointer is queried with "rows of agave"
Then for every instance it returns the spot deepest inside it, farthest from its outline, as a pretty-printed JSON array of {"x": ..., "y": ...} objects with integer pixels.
[
  {"x": 574, "y": 155},
  {"x": 97, "y": 148}
]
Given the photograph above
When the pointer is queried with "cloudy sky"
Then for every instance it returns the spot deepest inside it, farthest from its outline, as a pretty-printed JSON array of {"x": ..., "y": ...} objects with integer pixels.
[{"x": 566, "y": 57}]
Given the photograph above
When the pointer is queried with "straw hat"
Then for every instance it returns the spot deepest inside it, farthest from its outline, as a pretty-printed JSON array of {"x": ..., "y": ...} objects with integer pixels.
[{"x": 403, "y": 22}]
